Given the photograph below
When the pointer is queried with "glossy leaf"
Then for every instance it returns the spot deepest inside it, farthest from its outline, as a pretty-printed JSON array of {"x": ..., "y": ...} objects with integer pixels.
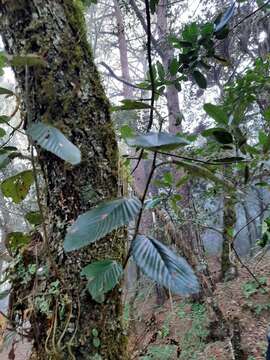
[
  {"x": 157, "y": 141},
  {"x": 200, "y": 79},
  {"x": 162, "y": 265},
  {"x": 100, "y": 221},
  {"x": 102, "y": 277},
  {"x": 17, "y": 187},
  {"x": 225, "y": 18},
  {"x": 51, "y": 139},
  {"x": 217, "y": 113},
  {"x": 219, "y": 134}
]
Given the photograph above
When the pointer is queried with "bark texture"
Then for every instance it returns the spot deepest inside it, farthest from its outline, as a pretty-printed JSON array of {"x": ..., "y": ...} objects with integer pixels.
[{"x": 66, "y": 92}]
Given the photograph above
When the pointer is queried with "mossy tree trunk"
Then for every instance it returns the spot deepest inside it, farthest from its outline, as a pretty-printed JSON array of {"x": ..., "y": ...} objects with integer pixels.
[
  {"x": 67, "y": 93},
  {"x": 228, "y": 268}
]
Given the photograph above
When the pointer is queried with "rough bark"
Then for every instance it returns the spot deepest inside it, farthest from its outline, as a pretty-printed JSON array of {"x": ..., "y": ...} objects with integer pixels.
[
  {"x": 122, "y": 43},
  {"x": 228, "y": 269},
  {"x": 167, "y": 53},
  {"x": 66, "y": 92}
]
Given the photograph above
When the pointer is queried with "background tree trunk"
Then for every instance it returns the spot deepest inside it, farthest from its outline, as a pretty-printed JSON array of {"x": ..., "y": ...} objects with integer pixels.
[{"x": 66, "y": 92}]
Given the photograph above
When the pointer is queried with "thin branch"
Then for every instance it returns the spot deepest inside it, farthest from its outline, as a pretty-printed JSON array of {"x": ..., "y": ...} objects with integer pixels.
[
  {"x": 250, "y": 221},
  {"x": 251, "y": 14},
  {"x": 113, "y": 74}
]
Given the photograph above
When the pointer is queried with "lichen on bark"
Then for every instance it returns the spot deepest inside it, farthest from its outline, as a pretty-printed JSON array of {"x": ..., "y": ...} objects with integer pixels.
[{"x": 67, "y": 93}]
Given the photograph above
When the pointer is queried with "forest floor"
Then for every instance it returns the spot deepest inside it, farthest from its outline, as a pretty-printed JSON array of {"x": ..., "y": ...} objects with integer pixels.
[{"x": 179, "y": 329}]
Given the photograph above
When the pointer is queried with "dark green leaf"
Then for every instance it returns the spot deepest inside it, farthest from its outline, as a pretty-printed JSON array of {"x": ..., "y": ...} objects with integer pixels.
[
  {"x": 200, "y": 79},
  {"x": 223, "y": 137},
  {"x": 17, "y": 186},
  {"x": 246, "y": 174},
  {"x": 222, "y": 34},
  {"x": 4, "y": 161},
  {"x": 126, "y": 132},
  {"x": 207, "y": 30},
  {"x": 51, "y": 139},
  {"x": 102, "y": 277},
  {"x": 157, "y": 141},
  {"x": 174, "y": 66},
  {"x": 267, "y": 114},
  {"x": 219, "y": 134},
  {"x": 263, "y": 138},
  {"x": 190, "y": 33},
  {"x": 4, "y": 119},
  {"x": 4, "y": 91},
  {"x": 160, "y": 70},
  {"x": 217, "y": 113},
  {"x": 100, "y": 221},
  {"x": 34, "y": 217},
  {"x": 159, "y": 263},
  {"x": 2, "y": 132},
  {"x": 153, "y": 5}
]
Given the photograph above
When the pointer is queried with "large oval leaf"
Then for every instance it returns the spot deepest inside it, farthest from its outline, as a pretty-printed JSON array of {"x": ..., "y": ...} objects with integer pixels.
[
  {"x": 157, "y": 141},
  {"x": 103, "y": 276},
  {"x": 200, "y": 79},
  {"x": 17, "y": 186},
  {"x": 51, "y": 139},
  {"x": 100, "y": 221},
  {"x": 217, "y": 113},
  {"x": 162, "y": 265},
  {"x": 225, "y": 18}
]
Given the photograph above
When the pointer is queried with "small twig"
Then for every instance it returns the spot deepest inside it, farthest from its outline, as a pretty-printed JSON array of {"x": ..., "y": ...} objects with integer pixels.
[
  {"x": 112, "y": 74},
  {"x": 244, "y": 265},
  {"x": 198, "y": 160},
  {"x": 251, "y": 14},
  {"x": 250, "y": 221}
]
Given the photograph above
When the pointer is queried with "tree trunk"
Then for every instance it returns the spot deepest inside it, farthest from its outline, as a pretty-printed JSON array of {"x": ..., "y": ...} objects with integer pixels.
[
  {"x": 66, "y": 92},
  {"x": 122, "y": 43},
  {"x": 228, "y": 269},
  {"x": 167, "y": 53}
]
